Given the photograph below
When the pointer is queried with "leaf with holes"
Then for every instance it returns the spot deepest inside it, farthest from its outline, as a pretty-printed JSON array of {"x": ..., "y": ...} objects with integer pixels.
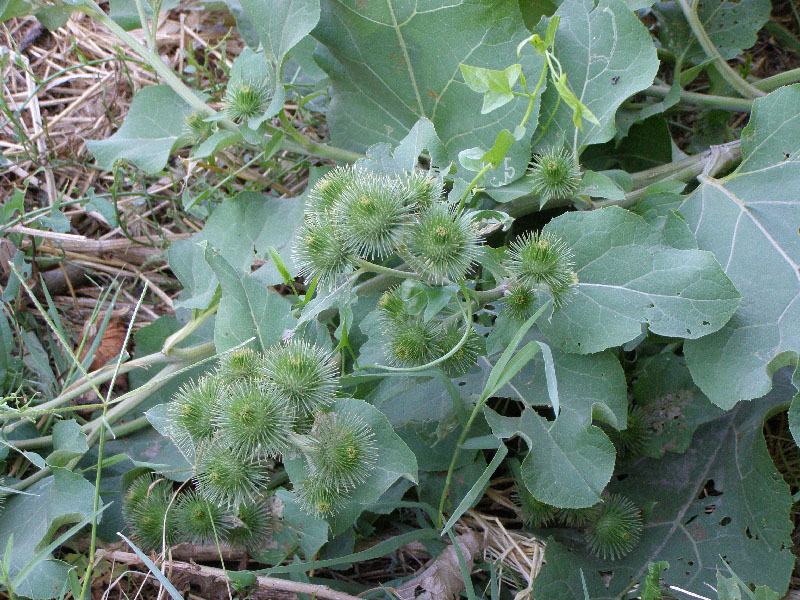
[
  {"x": 749, "y": 221},
  {"x": 722, "y": 499},
  {"x": 670, "y": 404},
  {"x": 629, "y": 277}
]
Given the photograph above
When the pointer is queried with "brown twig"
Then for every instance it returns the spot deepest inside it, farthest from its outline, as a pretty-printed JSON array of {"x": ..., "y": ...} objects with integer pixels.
[{"x": 322, "y": 592}]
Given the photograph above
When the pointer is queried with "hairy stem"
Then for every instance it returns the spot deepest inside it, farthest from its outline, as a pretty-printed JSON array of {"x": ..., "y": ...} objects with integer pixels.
[{"x": 373, "y": 268}]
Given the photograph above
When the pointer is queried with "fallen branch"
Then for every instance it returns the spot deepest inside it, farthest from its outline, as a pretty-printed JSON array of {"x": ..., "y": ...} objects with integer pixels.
[
  {"x": 442, "y": 580},
  {"x": 322, "y": 592}
]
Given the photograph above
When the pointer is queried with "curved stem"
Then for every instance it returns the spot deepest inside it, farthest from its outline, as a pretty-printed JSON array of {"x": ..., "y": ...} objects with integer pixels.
[
  {"x": 472, "y": 185},
  {"x": 467, "y": 320},
  {"x": 769, "y": 84},
  {"x": 733, "y": 78},
  {"x": 190, "y": 97},
  {"x": 451, "y": 469},
  {"x": 187, "y": 330}
]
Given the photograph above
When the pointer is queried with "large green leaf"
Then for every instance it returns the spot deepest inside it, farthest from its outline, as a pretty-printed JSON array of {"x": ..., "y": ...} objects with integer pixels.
[
  {"x": 629, "y": 277},
  {"x": 247, "y": 308},
  {"x": 670, "y": 402},
  {"x": 281, "y": 24},
  {"x": 732, "y": 25},
  {"x": 60, "y": 499},
  {"x": 722, "y": 498},
  {"x": 394, "y": 62},
  {"x": 155, "y": 123},
  {"x": 607, "y": 56},
  {"x": 242, "y": 228},
  {"x": 568, "y": 464},
  {"x": 395, "y": 460},
  {"x": 749, "y": 221}
]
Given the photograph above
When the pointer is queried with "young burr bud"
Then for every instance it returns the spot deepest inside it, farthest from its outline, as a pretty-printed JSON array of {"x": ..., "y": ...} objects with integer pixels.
[
  {"x": 149, "y": 513},
  {"x": 543, "y": 261},
  {"x": 191, "y": 414},
  {"x": 371, "y": 215},
  {"x": 615, "y": 528},
  {"x": 555, "y": 174},
  {"x": 228, "y": 478},
  {"x": 304, "y": 375},
  {"x": 341, "y": 450},
  {"x": 442, "y": 244},
  {"x": 245, "y": 100},
  {"x": 200, "y": 521},
  {"x": 466, "y": 356},
  {"x": 411, "y": 343},
  {"x": 254, "y": 419},
  {"x": 320, "y": 251},
  {"x": 251, "y": 526}
]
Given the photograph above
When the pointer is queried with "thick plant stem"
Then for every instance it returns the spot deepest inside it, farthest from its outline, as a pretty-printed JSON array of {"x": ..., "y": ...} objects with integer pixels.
[
  {"x": 769, "y": 84},
  {"x": 732, "y": 104},
  {"x": 735, "y": 80},
  {"x": 681, "y": 170}
]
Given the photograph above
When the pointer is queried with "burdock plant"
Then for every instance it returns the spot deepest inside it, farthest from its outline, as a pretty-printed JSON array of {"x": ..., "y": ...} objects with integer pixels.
[
  {"x": 554, "y": 174},
  {"x": 302, "y": 374},
  {"x": 341, "y": 451},
  {"x": 442, "y": 244},
  {"x": 614, "y": 528},
  {"x": 543, "y": 262}
]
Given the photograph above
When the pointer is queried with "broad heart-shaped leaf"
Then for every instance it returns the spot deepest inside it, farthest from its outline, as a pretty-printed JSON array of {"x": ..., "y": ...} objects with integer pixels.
[
  {"x": 732, "y": 25},
  {"x": 749, "y": 221},
  {"x": 247, "y": 308},
  {"x": 722, "y": 498},
  {"x": 670, "y": 402},
  {"x": 281, "y": 24},
  {"x": 629, "y": 277},
  {"x": 61, "y": 499},
  {"x": 394, "y": 62},
  {"x": 568, "y": 464},
  {"x": 241, "y": 228},
  {"x": 155, "y": 123},
  {"x": 607, "y": 56},
  {"x": 395, "y": 460}
]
